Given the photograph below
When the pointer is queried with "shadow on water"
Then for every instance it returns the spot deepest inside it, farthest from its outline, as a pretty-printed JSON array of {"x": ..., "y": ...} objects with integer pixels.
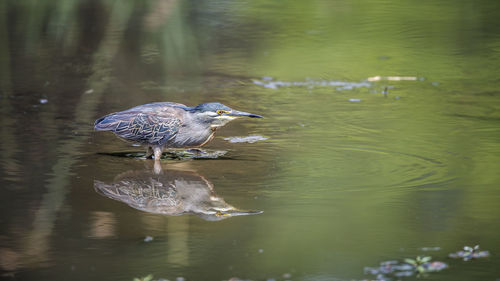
[
  {"x": 169, "y": 192},
  {"x": 174, "y": 154}
]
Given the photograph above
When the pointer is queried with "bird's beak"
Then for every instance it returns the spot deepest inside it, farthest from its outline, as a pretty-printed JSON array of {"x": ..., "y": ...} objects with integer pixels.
[{"x": 237, "y": 113}]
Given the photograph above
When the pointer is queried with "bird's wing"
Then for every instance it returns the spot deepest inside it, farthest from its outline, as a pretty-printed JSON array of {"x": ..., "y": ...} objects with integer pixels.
[{"x": 141, "y": 127}]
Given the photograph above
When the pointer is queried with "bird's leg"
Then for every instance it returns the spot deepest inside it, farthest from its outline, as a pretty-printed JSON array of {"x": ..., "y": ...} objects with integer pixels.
[
  {"x": 158, "y": 152},
  {"x": 149, "y": 153},
  {"x": 157, "y": 167}
]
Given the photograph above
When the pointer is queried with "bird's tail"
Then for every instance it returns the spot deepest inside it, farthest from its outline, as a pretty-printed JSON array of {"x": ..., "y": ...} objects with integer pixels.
[{"x": 105, "y": 123}]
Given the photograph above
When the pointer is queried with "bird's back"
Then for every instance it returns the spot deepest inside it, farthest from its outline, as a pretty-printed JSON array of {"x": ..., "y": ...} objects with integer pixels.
[
  {"x": 158, "y": 106},
  {"x": 152, "y": 124}
]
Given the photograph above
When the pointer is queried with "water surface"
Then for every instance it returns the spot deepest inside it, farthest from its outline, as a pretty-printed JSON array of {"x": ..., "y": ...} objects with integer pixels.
[{"x": 381, "y": 137}]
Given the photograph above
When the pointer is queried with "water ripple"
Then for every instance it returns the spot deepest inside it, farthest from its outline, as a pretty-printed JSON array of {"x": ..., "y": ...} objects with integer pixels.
[{"x": 410, "y": 170}]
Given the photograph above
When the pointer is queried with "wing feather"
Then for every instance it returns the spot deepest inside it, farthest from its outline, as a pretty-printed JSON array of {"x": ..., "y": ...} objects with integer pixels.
[{"x": 146, "y": 128}]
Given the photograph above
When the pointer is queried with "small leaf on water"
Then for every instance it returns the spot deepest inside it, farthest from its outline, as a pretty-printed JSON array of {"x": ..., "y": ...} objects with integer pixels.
[
  {"x": 426, "y": 259},
  {"x": 411, "y": 261}
]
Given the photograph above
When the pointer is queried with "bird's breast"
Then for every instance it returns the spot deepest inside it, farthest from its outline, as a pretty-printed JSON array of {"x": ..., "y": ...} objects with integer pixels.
[{"x": 192, "y": 137}]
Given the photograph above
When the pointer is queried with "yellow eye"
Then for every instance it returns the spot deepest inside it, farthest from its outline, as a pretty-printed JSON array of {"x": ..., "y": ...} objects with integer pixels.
[{"x": 220, "y": 112}]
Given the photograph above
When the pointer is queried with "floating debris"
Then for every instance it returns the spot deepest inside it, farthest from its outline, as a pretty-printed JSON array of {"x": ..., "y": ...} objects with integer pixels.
[
  {"x": 392, "y": 78},
  {"x": 197, "y": 154},
  {"x": 271, "y": 83},
  {"x": 389, "y": 267},
  {"x": 145, "y": 278},
  {"x": 44, "y": 101},
  {"x": 409, "y": 267},
  {"x": 237, "y": 279},
  {"x": 248, "y": 139},
  {"x": 424, "y": 264},
  {"x": 148, "y": 239},
  {"x": 436, "y": 266},
  {"x": 469, "y": 253},
  {"x": 340, "y": 85},
  {"x": 89, "y": 91},
  {"x": 355, "y": 100},
  {"x": 385, "y": 91},
  {"x": 428, "y": 249}
]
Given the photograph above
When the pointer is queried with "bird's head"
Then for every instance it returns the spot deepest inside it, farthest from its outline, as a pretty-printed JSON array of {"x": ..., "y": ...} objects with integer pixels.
[{"x": 218, "y": 115}]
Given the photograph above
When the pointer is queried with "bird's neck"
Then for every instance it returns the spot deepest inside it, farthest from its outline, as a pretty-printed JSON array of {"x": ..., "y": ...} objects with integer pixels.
[{"x": 195, "y": 133}]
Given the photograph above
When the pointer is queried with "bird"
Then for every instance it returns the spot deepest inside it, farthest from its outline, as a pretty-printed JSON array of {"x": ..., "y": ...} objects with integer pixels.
[{"x": 162, "y": 125}]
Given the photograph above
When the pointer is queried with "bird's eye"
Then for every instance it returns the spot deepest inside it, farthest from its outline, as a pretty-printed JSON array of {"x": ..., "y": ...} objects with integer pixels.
[{"x": 220, "y": 112}]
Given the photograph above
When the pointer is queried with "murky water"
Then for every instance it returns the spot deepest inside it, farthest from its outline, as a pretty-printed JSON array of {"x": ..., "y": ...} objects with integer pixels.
[{"x": 381, "y": 139}]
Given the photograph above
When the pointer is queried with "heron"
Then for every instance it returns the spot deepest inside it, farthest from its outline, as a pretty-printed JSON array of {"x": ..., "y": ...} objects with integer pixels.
[{"x": 162, "y": 125}]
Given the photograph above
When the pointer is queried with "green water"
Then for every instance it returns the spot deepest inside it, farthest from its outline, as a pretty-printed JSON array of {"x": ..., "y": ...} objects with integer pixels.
[{"x": 353, "y": 172}]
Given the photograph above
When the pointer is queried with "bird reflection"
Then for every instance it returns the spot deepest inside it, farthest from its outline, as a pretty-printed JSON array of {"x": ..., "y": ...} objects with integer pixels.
[{"x": 169, "y": 192}]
